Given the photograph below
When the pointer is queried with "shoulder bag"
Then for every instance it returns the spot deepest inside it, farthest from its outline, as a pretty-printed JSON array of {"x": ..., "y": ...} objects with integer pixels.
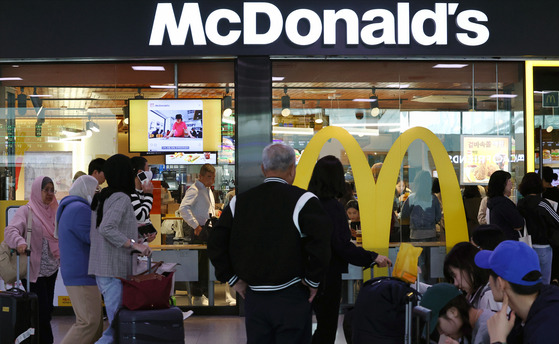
[
  {"x": 527, "y": 238},
  {"x": 147, "y": 290},
  {"x": 8, "y": 264}
]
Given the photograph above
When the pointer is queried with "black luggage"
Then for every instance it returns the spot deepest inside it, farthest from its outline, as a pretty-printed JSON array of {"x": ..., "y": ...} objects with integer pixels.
[
  {"x": 382, "y": 312},
  {"x": 149, "y": 326},
  {"x": 19, "y": 314}
]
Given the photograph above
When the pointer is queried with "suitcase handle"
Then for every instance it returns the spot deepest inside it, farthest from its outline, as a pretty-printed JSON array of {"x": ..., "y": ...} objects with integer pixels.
[
  {"x": 149, "y": 261},
  {"x": 28, "y": 253}
]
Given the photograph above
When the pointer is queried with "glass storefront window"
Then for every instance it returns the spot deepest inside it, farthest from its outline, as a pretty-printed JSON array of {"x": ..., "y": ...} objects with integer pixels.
[
  {"x": 474, "y": 108},
  {"x": 60, "y": 116}
]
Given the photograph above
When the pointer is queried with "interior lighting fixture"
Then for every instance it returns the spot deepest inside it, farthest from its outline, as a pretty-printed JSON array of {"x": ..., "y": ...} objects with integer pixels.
[
  {"x": 149, "y": 68},
  {"x": 398, "y": 85},
  {"x": 91, "y": 126},
  {"x": 285, "y": 103},
  {"x": 374, "y": 104},
  {"x": 139, "y": 95},
  {"x": 278, "y": 78},
  {"x": 162, "y": 86},
  {"x": 368, "y": 100},
  {"x": 227, "y": 103},
  {"x": 11, "y": 78},
  {"x": 319, "y": 119},
  {"x": 504, "y": 96},
  {"x": 450, "y": 65},
  {"x": 549, "y": 129}
]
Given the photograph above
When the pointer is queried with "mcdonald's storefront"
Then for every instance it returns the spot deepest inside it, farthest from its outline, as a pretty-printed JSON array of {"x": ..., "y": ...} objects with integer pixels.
[{"x": 457, "y": 89}]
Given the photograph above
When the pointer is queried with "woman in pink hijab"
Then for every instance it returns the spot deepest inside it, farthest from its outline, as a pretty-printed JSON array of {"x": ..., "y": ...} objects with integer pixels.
[{"x": 45, "y": 257}]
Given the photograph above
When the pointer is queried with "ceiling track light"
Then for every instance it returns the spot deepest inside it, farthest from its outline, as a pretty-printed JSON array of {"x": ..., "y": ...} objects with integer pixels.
[
  {"x": 92, "y": 126},
  {"x": 227, "y": 103},
  {"x": 285, "y": 103},
  {"x": 374, "y": 104},
  {"x": 139, "y": 95}
]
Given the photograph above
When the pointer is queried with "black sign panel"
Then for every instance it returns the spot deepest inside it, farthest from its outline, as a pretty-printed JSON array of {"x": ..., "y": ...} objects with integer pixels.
[{"x": 120, "y": 29}]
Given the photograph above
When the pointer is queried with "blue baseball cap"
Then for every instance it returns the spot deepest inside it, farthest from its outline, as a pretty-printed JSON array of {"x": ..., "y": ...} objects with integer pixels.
[{"x": 511, "y": 260}]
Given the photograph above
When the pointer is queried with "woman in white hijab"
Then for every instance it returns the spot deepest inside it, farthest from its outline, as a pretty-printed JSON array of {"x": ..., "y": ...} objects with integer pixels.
[{"x": 73, "y": 221}]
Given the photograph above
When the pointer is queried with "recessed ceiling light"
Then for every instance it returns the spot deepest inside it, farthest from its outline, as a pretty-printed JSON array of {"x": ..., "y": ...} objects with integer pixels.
[
  {"x": 163, "y": 86},
  {"x": 40, "y": 95},
  {"x": 503, "y": 96},
  {"x": 277, "y": 78},
  {"x": 149, "y": 68},
  {"x": 14, "y": 78},
  {"x": 449, "y": 65}
]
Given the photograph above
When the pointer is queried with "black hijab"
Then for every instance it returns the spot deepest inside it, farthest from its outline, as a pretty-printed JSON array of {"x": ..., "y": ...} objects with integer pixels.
[{"x": 120, "y": 177}]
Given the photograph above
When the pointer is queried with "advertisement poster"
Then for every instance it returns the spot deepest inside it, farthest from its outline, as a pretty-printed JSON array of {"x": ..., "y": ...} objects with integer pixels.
[
  {"x": 191, "y": 159},
  {"x": 481, "y": 156},
  {"x": 56, "y": 165}
]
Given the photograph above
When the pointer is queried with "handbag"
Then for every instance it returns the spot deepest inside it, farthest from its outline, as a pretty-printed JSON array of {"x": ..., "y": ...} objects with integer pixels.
[
  {"x": 147, "y": 290},
  {"x": 527, "y": 238},
  {"x": 8, "y": 261}
]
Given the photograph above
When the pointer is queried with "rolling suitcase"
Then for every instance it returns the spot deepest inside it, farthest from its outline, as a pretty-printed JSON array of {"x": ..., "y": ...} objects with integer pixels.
[
  {"x": 19, "y": 314},
  {"x": 149, "y": 326}
]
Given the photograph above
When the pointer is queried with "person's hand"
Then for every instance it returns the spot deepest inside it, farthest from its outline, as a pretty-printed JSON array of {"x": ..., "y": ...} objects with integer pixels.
[
  {"x": 383, "y": 261},
  {"x": 500, "y": 325},
  {"x": 150, "y": 237},
  {"x": 144, "y": 250},
  {"x": 197, "y": 230},
  {"x": 21, "y": 248},
  {"x": 312, "y": 291},
  {"x": 147, "y": 187},
  {"x": 353, "y": 232},
  {"x": 444, "y": 339},
  {"x": 241, "y": 287}
]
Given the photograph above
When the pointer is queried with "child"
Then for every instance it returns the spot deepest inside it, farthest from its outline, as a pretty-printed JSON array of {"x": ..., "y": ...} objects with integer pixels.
[{"x": 352, "y": 211}]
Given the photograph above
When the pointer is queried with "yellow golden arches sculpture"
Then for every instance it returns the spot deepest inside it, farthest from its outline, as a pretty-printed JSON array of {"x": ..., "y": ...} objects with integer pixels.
[{"x": 377, "y": 198}]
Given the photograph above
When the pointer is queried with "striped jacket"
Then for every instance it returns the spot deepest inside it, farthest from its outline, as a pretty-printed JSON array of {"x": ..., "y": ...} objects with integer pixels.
[
  {"x": 142, "y": 203},
  {"x": 272, "y": 236}
]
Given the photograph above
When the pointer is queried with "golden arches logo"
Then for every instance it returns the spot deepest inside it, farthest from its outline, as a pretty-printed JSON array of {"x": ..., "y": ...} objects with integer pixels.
[{"x": 375, "y": 200}]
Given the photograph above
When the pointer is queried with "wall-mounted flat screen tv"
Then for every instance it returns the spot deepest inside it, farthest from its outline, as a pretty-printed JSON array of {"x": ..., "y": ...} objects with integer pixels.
[{"x": 174, "y": 125}]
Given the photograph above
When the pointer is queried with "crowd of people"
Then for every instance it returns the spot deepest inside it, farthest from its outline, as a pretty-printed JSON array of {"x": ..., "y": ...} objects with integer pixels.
[{"x": 286, "y": 261}]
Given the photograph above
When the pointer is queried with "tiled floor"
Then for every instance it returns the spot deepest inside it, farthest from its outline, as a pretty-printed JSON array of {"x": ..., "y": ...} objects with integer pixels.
[{"x": 197, "y": 329}]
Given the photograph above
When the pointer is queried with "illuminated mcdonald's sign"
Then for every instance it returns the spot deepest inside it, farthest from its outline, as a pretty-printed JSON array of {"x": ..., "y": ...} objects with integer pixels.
[
  {"x": 550, "y": 99},
  {"x": 377, "y": 198}
]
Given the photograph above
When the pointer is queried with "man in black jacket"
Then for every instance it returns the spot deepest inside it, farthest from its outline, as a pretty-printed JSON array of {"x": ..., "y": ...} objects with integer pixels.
[
  {"x": 515, "y": 279},
  {"x": 272, "y": 244}
]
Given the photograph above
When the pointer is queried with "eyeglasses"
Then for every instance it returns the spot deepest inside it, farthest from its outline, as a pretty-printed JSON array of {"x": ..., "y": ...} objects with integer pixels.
[{"x": 52, "y": 191}]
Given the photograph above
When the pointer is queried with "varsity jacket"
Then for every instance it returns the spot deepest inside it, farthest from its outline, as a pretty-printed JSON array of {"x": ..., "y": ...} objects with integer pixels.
[{"x": 272, "y": 237}]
